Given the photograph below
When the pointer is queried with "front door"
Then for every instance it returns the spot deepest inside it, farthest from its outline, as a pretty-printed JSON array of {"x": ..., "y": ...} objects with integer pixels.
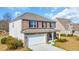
[
  {"x": 54, "y": 35},
  {"x": 49, "y": 37}
]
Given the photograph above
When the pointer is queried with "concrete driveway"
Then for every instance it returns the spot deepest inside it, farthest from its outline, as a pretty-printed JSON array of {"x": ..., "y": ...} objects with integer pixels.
[{"x": 45, "y": 47}]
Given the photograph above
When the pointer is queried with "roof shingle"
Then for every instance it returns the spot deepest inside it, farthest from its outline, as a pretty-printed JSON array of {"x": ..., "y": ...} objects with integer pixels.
[{"x": 32, "y": 16}]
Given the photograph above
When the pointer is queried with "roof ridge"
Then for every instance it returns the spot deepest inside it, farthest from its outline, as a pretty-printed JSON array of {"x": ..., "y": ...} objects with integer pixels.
[
  {"x": 33, "y": 14},
  {"x": 36, "y": 15}
]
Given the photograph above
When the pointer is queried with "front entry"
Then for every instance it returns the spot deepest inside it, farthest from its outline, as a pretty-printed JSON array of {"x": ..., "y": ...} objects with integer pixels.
[{"x": 49, "y": 37}]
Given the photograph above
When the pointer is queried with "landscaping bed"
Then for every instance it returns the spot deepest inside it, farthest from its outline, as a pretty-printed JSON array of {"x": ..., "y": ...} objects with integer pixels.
[{"x": 8, "y": 43}]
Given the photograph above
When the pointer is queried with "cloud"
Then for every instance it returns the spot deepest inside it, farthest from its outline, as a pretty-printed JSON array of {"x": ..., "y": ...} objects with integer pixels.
[
  {"x": 16, "y": 11},
  {"x": 62, "y": 13},
  {"x": 51, "y": 13},
  {"x": 69, "y": 13},
  {"x": 54, "y": 9},
  {"x": 17, "y": 14}
]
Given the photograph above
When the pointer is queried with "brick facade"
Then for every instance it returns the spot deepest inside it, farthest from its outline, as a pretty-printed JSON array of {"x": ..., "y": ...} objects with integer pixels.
[
  {"x": 25, "y": 24},
  {"x": 39, "y": 24}
]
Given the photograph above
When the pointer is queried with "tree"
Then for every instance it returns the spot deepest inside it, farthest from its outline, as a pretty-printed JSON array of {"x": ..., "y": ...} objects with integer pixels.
[
  {"x": 7, "y": 16},
  {"x": 4, "y": 23}
]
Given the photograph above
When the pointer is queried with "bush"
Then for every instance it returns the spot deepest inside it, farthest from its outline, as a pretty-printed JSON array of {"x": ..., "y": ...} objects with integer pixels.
[
  {"x": 49, "y": 42},
  {"x": 9, "y": 38},
  {"x": 12, "y": 43},
  {"x": 19, "y": 43},
  {"x": 62, "y": 34},
  {"x": 61, "y": 40},
  {"x": 3, "y": 40},
  {"x": 57, "y": 37},
  {"x": 11, "y": 46},
  {"x": 29, "y": 49},
  {"x": 70, "y": 35}
]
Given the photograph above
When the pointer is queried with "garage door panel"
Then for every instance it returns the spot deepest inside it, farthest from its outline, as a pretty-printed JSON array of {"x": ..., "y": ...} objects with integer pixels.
[{"x": 36, "y": 39}]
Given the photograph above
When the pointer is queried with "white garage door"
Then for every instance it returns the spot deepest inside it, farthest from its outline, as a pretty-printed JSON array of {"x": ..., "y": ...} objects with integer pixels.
[{"x": 36, "y": 39}]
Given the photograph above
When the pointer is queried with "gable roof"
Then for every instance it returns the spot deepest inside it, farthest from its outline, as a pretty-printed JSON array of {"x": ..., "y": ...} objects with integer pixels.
[
  {"x": 32, "y": 16},
  {"x": 64, "y": 22}
]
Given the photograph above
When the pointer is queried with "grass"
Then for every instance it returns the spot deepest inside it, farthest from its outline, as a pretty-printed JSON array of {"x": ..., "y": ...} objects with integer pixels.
[
  {"x": 71, "y": 45},
  {"x": 3, "y": 47}
]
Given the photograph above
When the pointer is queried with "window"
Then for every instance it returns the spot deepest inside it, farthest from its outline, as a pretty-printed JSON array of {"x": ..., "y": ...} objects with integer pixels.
[
  {"x": 53, "y": 25},
  {"x": 32, "y": 24}
]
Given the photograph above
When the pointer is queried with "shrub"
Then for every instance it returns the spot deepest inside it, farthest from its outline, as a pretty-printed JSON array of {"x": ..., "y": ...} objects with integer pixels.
[
  {"x": 70, "y": 35},
  {"x": 62, "y": 34},
  {"x": 3, "y": 40},
  {"x": 61, "y": 40},
  {"x": 19, "y": 43},
  {"x": 12, "y": 43},
  {"x": 11, "y": 46},
  {"x": 49, "y": 42},
  {"x": 57, "y": 37},
  {"x": 29, "y": 49},
  {"x": 9, "y": 38}
]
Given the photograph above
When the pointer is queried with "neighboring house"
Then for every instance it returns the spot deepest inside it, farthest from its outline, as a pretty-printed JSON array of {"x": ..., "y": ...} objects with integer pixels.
[
  {"x": 64, "y": 25},
  {"x": 76, "y": 29},
  {"x": 32, "y": 29},
  {"x": 4, "y": 27}
]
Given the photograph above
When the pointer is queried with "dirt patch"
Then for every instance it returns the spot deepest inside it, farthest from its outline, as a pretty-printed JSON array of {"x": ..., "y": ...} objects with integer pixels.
[{"x": 3, "y": 47}]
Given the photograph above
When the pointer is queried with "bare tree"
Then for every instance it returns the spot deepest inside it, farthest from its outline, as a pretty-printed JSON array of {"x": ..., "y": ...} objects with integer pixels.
[
  {"x": 4, "y": 23},
  {"x": 7, "y": 16}
]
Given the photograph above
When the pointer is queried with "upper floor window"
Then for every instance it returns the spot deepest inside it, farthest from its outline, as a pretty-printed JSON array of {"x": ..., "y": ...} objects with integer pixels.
[
  {"x": 32, "y": 24},
  {"x": 53, "y": 25}
]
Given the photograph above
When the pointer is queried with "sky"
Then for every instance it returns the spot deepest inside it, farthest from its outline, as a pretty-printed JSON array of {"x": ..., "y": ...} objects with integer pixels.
[{"x": 71, "y": 13}]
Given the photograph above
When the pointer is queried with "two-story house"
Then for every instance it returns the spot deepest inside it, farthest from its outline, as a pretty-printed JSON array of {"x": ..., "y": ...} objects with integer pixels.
[{"x": 32, "y": 29}]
